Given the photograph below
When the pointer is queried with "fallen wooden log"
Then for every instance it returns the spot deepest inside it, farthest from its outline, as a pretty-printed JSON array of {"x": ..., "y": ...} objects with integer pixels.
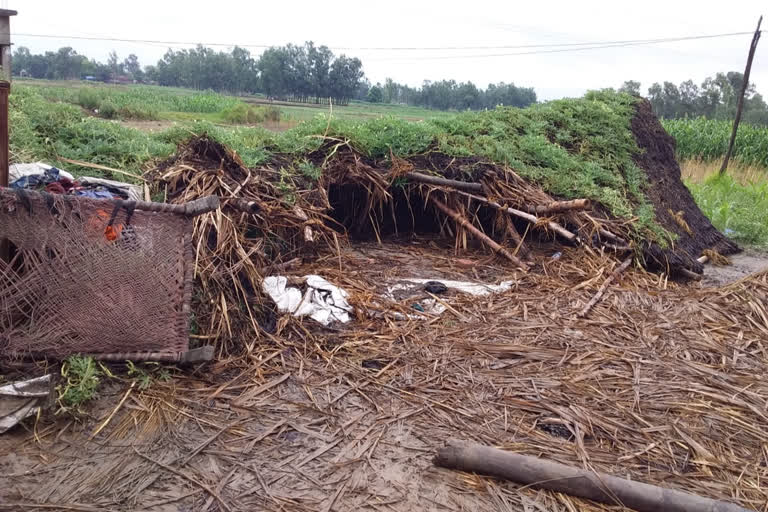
[
  {"x": 559, "y": 206},
  {"x": 554, "y": 226},
  {"x": 600, "y": 487},
  {"x": 610, "y": 236},
  {"x": 604, "y": 286},
  {"x": 477, "y": 233},
  {"x": 444, "y": 182},
  {"x": 243, "y": 205},
  {"x": 690, "y": 274}
]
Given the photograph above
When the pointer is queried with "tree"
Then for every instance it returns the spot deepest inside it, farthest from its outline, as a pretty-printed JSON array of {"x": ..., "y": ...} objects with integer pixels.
[
  {"x": 630, "y": 87},
  {"x": 656, "y": 97},
  {"x": 376, "y": 94},
  {"x": 132, "y": 67},
  {"x": 114, "y": 64}
]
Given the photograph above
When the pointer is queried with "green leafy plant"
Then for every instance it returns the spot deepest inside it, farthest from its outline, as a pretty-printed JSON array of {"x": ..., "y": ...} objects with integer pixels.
[
  {"x": 310, "y": 170},
  {"x": 80, "y": 380}
]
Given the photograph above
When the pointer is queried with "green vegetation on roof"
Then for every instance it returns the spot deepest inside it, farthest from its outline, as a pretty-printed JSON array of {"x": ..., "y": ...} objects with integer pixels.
[{"x": 573, "y": 148}]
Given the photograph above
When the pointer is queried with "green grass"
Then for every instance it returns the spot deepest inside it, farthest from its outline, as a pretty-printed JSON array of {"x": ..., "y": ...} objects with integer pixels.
[
  {"x": 137, "y": 101},
  {"x": 738, "y": 210},
  {"x": 707, "y": 139},
  {"x": 42, "y": 130}
]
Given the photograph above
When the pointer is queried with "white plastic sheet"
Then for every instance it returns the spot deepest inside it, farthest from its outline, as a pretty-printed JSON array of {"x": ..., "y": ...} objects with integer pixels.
[
  {"x": 322, "y": 301},
  {"x": 20, "y": 400}
]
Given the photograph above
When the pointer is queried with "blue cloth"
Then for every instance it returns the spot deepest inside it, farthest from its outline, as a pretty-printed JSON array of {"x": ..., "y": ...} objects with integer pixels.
[
  {"x": 37, "y": 180},
  {"x": 99, "y": 193}
]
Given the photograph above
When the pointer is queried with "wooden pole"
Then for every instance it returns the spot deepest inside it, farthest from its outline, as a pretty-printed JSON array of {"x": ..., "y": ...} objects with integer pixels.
[
  {"x": 740, "y": 106},
  {"x": 444, "y": 182},
  {"x": 600, "y": 487},
  {"x": 559, "y": 206},
  {"x": 5, "y": 89},
  {"x": 477, "y": 233},
  {"x": 554, "y": 226}
]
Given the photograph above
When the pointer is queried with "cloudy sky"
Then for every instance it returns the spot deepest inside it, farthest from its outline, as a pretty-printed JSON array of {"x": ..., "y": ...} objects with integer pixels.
[{"x": 355, "y": 28}]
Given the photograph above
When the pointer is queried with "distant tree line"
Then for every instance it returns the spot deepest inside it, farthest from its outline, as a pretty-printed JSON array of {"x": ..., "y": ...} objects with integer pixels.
[
  {"x": 451, "y": 95},
  {"x": 67, "y": 64},
  {"x": 715, "y": 98},
  {"x": 306, "y": 73}
]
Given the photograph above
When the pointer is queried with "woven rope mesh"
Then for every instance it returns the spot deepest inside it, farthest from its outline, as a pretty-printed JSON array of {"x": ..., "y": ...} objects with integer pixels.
[{"x": 78, "y": 283}]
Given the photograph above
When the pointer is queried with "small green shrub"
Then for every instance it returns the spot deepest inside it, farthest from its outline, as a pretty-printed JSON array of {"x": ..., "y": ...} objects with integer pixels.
[
  {"x": 272, "y": 114},
  {"x": 81, "y": 377},
  {"x": 310, "y": 170},
  {"x": 107, "y": 109},
  {"x": 88, "y": 98}
]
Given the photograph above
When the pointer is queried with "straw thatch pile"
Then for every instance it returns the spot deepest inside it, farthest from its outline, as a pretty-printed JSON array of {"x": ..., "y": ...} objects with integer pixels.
[
  {"x": 271, "y": 216},
  {"x": 662, "y": 384},
  {"x": 657, "y": 381}
]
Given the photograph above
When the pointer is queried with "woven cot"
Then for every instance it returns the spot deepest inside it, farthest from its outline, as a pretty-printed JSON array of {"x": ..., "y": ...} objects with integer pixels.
[{"x": 94, "y": 276}]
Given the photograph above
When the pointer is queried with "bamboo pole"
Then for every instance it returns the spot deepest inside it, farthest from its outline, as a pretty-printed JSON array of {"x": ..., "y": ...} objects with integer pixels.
[
  {"x": 554, "y": 226},
  {"x": 600, "y": 487},
  {"x": 740, "y": 106},
  {"x": 477, "y": 233},
  {"x": 560, "y": 206},
  {"x": 444, "y": 182}
]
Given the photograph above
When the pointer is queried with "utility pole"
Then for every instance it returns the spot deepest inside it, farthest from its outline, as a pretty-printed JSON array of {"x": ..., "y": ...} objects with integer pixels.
[
  {"x": 5, "y": 89},
  {"x": 740, "y": 106}
]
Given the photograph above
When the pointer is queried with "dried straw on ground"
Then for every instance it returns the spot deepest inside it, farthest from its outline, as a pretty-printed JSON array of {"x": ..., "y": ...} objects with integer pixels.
[{"x": 662, "y": 384}]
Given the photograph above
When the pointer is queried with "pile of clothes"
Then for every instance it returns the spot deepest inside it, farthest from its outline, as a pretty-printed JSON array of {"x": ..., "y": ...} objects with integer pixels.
[{"x": 44, "y": 177}]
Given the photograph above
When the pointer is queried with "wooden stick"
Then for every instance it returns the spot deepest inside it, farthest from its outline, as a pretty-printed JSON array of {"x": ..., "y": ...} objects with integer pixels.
[
  {"x": 477, "y": 233},
  {"x": 190, "y": 209},
  {"x": 604, "y": 286},
  {"x": 594, "y": 486},
  {"x": 607, "y": 234},
  {"x": 101, "y": 167},
  {"x": 243, "y": 205},
  {"x": 520, "y": 246},
  {"x": 445, "y": 182},
  {"x": 560, "y": 206},
  {"x": 740, "y": 105},
  {"x": 690, "y": 274},
  {"x": 114, "y": 411},
  {"x": 554, "y": 226}
]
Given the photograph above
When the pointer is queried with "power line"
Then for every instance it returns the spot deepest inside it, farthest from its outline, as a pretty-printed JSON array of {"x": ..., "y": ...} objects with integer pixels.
[
  {"x": 562, "y": 50},
  {"x": 563, "y": 46}
]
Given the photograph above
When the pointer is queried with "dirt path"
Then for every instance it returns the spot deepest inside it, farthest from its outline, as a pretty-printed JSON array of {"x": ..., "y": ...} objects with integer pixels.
[
  {"x": 149, "y": 126},
  {"x": 742, "y": 265}
]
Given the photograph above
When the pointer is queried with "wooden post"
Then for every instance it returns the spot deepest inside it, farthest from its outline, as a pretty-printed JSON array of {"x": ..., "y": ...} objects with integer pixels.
[
  {"x": 600, "y": 487},
  {"x": 5, "y": 89},
  {"x": 740, "y": 106}
]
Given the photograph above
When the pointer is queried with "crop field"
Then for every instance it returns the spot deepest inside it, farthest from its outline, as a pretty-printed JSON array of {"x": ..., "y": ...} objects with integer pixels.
[
  {"x": 85, "y": 121},
  {"x": 707, "y": 139},
  {"x": 147, "y": 102}
]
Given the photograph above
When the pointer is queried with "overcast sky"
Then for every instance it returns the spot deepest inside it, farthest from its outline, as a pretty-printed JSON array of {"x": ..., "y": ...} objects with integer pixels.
[{"x": 430, "y": 24}]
